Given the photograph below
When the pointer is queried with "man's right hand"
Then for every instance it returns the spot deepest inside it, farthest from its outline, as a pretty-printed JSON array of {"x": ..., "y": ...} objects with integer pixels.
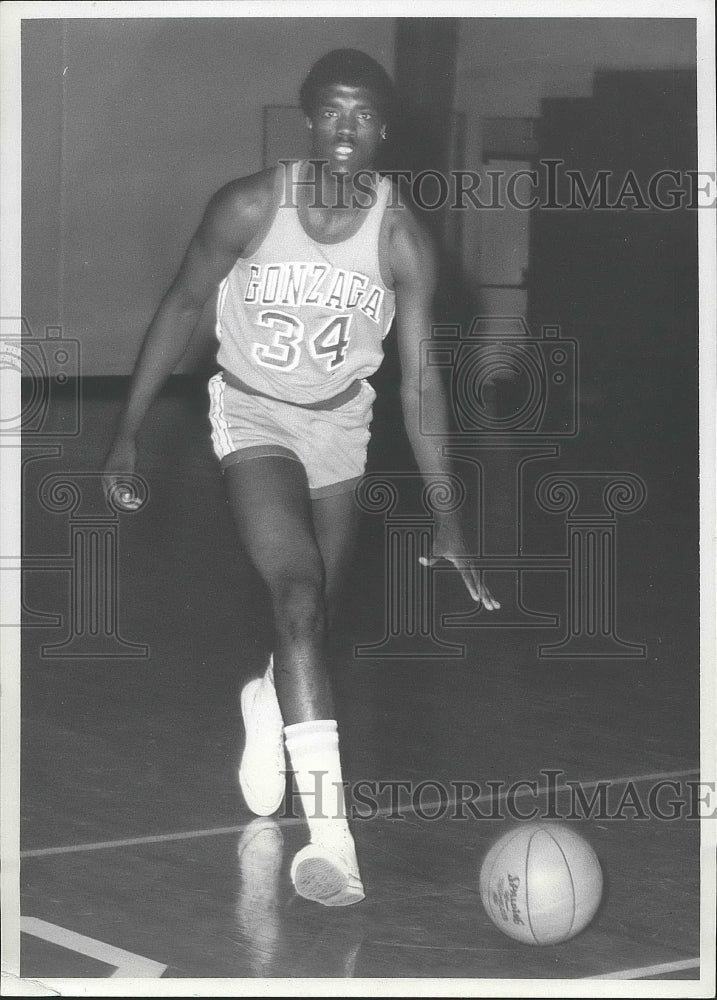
[{"x": 118, "y": 468}]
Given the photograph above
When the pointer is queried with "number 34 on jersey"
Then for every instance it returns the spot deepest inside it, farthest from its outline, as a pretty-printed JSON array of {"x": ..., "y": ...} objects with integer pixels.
[{"x": 329, "y": 344}]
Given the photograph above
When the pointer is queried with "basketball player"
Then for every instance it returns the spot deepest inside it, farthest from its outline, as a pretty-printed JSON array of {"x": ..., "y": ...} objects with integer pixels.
[{"x": 311, "y": 266}]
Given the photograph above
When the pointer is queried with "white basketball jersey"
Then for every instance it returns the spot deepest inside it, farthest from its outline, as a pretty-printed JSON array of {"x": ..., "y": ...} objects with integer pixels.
[{"x": 299, "y": 319}]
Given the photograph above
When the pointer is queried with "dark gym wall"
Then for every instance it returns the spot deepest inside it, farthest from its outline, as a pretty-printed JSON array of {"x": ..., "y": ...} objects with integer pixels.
[
  {"x": 129, "y": 125},
  {"x": 509, "y": 66}
]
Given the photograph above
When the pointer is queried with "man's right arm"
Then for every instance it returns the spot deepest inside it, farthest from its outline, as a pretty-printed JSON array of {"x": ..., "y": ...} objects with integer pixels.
[{"x": 231, "y": 219}]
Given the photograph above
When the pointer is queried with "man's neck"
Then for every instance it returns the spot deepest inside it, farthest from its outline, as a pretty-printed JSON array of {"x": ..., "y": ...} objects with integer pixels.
[{"x": 336, "y": 189}]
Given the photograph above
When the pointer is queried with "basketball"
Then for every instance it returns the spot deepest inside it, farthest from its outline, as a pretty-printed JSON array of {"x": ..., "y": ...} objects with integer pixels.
[{"x": 541, "y": 884}]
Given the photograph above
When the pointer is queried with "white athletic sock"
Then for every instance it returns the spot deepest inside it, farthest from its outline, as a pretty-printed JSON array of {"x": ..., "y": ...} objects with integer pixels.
[{"x": 313, "y": 749}]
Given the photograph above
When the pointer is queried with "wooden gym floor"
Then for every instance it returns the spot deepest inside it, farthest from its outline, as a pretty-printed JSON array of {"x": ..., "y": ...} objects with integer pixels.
[{"x": 139, "y": 855}]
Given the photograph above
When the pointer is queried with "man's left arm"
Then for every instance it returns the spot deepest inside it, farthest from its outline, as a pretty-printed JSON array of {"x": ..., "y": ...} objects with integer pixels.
[{"x": 415, "y": 274}]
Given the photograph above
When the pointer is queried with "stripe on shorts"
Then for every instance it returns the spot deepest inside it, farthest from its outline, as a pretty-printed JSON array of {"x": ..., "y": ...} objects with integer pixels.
[{"x": 220, "y": 428}]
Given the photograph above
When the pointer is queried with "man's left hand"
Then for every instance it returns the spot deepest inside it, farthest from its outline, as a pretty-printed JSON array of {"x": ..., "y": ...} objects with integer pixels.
[{"x": 450, "y": 545}]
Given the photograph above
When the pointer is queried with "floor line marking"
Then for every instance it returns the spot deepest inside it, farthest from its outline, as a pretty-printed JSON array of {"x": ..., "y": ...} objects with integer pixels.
[
  {"x": 126, "y": 963},
  {"x": 651, "y": 970},
  {"x": 218, "y": 831},
  {"x": 159, "y": 838}
]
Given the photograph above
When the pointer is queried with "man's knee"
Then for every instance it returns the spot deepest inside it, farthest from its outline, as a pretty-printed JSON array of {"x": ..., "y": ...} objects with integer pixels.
[{"x": 299, "y": 604}]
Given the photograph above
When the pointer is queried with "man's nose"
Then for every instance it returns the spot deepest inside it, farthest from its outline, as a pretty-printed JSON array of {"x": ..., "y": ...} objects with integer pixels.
[{"x": 347, "y": 126}]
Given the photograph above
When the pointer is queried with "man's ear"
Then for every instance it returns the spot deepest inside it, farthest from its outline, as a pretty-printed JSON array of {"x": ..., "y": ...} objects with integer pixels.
[{"x": 309, "y": 123}]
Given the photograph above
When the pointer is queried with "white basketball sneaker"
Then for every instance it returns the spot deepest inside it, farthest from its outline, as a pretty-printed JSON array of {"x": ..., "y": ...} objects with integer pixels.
[
  {"x": 262, "y": 770},
  {"x": 327, "y": 876}
]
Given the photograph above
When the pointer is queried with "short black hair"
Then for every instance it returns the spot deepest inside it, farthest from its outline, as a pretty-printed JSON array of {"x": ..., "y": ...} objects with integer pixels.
[{"x": 352, "y": 68}]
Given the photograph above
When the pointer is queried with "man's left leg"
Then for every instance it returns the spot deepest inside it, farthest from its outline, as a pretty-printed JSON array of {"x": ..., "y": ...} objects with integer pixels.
[
  {"x": 335, "y": 526},
  {"x": 313, "y": 747},
  {"x": 335, "y": 523},
  {"x": 313, "y": 744}
]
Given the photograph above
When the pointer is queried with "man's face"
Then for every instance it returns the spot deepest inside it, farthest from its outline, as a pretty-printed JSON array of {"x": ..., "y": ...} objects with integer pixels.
[{"x": 346, "y": 128}]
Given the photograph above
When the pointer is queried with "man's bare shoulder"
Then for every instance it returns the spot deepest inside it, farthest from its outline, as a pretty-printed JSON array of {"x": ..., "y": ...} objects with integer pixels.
[{"x": 245, "y": 200}]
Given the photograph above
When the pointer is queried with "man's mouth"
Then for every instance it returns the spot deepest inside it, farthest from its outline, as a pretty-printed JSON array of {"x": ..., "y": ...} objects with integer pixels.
[{"x": 343, "y": 149}]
